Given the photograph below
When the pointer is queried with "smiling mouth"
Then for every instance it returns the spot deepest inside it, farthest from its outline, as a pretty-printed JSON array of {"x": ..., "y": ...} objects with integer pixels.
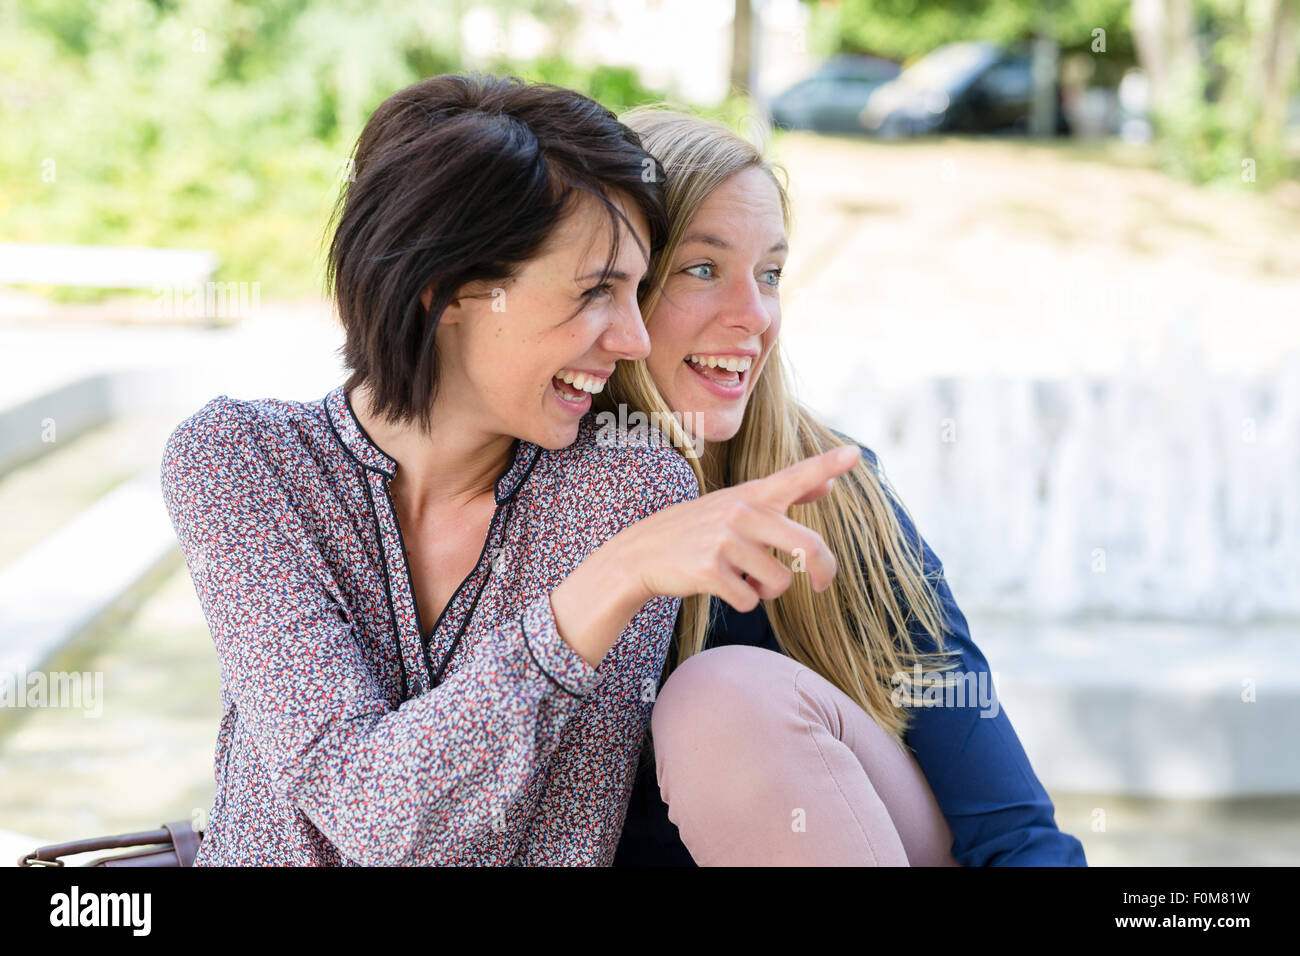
[
  {"x": 728, "y": 371},
  {"x": 576, "y": 387}
]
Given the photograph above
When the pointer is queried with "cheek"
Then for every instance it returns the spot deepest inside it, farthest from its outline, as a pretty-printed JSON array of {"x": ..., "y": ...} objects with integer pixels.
[
  {"x": 668, "y": 343},
  {"x": 767, "y": 344},
  {"x": 775, "y": 328},
  {"x": 512, "y": 373},
  {"x": 772, "y": 332}
]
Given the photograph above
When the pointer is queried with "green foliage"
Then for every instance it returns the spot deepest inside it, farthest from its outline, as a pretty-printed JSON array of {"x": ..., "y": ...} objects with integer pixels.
[
  {"x": 1209, "y": 123},
  {"x": 216, "y": 124},
  {"x": 907, "y": 29},
  {"x": 617, "y": 87}
]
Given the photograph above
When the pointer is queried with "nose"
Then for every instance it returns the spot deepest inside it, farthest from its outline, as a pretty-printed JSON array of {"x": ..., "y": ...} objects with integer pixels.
[
  {"x": 626, "y": 336},
  {"x": 745, "y": 307}
]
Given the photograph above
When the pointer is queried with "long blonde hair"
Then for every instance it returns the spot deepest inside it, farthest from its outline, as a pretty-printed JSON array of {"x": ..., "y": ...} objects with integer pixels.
[{"x": 855, "y": 633}]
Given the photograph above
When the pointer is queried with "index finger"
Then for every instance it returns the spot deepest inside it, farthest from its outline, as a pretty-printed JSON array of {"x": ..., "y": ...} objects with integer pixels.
[{"x": 806, "y": 480}]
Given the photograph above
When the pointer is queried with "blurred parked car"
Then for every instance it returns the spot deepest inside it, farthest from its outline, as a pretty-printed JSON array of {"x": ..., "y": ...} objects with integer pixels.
[
  {"x": 831, "y": 99},
  {"x": 958, "y": 88}
]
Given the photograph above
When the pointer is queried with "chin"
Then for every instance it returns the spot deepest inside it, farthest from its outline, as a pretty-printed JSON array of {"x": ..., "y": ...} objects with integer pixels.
[
  {"x": 710, "y": 425},
  {"x": 714, "y": 435},
  {"x": 556, "y": 436}
]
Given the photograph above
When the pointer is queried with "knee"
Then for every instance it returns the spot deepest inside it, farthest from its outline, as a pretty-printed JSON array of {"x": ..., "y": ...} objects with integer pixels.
[{"x": 723, "y": 691}]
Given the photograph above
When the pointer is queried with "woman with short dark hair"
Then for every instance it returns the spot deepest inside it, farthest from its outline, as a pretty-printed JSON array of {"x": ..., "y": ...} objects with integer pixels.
[{"x": 435, "y": 645}]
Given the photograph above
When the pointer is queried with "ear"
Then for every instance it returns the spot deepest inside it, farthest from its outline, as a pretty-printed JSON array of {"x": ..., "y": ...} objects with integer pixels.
[
  {"x": 451, "y": 315},
  {"x": 467, "y": 296}
]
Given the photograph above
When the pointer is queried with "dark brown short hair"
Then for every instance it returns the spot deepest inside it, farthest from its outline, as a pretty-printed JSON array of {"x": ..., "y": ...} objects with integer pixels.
[{"x": 455, "y": 179}]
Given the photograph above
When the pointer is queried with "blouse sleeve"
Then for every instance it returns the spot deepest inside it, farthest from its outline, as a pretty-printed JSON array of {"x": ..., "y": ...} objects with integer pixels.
[
  {"x": 589, "y": 780},
  {"x": 386, "y": 785},
  {"x": 998, "y": 811}
]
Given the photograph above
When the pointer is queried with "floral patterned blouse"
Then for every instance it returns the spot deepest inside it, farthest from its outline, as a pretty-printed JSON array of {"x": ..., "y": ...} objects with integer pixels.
[{"x": 352, "y": 732}]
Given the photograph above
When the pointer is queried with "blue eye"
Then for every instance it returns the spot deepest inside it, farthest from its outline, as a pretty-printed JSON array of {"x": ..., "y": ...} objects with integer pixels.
[
  {"x": 776, "y": 274},
  {"x": 702, "y": 265}
]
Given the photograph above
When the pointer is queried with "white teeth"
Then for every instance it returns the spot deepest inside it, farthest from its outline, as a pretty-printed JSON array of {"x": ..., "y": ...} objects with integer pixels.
[
  {"x": 585, "y": 383},
  {"x": 731, "y": 363}
]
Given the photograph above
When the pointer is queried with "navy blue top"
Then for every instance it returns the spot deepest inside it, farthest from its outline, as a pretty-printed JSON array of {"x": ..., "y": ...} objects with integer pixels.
[{"x": 998, "y": 812}]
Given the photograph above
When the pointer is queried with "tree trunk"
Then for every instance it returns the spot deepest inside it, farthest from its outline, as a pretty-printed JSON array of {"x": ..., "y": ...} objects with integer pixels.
[
  {"x": 1046, "y": 60},
  {"x": 742, "y": 49},
  {"x": 1165, "y": 43},
  {"x": 1273, "y": 60}
]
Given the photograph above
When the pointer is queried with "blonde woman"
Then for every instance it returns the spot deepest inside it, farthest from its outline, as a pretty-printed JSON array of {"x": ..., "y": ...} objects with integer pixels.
[{"x": 794, "y": 729}]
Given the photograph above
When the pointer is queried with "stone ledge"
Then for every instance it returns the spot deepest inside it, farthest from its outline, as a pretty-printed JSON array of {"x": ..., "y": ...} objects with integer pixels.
[{"x": 1152, "y": 710}]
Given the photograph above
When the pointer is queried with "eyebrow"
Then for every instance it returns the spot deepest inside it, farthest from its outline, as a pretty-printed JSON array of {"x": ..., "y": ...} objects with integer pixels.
[
  {"x": 617, "y": 276},
  {"x": 711, "y": 240}
]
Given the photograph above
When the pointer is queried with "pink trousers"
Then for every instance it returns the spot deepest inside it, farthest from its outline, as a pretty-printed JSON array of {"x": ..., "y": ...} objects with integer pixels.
[{"x": 763, "y": 762}]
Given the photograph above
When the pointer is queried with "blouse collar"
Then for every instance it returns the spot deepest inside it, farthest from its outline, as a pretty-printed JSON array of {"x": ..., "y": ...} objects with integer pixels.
[{"x": 347, "y": 427}]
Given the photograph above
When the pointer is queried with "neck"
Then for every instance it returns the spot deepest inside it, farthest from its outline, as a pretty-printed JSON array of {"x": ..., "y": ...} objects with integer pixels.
[{"x": 453, "y": 463}]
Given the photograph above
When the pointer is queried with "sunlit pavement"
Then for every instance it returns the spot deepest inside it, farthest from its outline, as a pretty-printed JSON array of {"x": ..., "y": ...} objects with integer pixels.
[{"x": 948, "y": 257}]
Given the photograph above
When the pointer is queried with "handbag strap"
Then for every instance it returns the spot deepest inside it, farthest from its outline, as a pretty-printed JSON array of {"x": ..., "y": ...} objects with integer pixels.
[
  {"x": 185, "y": 839},
  {"x": 49, "y": 855},
  {"x": 180, "y": 834}
]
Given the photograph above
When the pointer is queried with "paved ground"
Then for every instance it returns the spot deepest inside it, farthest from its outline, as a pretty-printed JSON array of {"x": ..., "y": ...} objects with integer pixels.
[
  {"x": 36, "y": 500},
  {"x": 957, "y": 256},
  {"x": 1258, "y": 832},
  {"x": 147, "y": 757}
]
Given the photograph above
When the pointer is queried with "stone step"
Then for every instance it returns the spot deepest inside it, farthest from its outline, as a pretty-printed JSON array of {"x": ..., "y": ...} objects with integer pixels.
[
  {"x": 1152, "y": 709},
  {"x": 60, "y": 586}
]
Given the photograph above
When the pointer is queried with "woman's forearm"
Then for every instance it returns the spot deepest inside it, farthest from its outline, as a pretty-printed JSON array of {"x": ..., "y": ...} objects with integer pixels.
[
  {"x": 718, "y": 545},
  {"x": 595, "y": 604}
]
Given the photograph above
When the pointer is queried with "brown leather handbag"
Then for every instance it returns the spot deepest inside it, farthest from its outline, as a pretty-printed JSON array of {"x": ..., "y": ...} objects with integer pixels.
[{"x": 174, "y": 844}]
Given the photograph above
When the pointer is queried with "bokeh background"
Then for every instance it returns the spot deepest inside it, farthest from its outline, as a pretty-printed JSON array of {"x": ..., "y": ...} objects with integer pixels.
[{"x": 1046, "y": 263}]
